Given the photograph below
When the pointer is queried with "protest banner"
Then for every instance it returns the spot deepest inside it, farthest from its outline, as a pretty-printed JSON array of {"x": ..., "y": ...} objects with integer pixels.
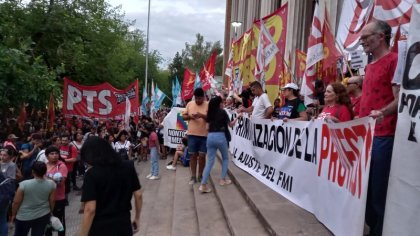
[
  {"x": 175, "y": 127},
  {"x": 244, "y": 52},
  {"x": 100, "y": 101},
  {"x": 304, "y": 162},
  {"x": 402, "y": 213}
]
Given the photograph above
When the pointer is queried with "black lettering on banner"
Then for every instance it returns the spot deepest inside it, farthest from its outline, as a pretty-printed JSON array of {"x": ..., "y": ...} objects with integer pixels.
[
  {"x": 175, "y": 136},
  {"x": 411, "y": 84},
  {"x": 285, "y": 181},
  {"x": 412, "y": 102}
]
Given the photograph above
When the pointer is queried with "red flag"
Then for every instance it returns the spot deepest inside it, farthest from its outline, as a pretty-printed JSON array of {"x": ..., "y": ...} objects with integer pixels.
[
  {"x": 300, "y": 63},
  {"x": 207, "y": 72},
  {"x": 22, "y": 117},
  {"x": 51, "y": 113},
  {"x": 314, "y": 55},
  {"x": 187, "y": 91},
  {"x": 331, "y": 54}
]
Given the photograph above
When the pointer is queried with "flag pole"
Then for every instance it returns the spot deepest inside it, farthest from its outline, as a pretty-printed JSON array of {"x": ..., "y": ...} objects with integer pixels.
[{"x": 147, "y": 44}]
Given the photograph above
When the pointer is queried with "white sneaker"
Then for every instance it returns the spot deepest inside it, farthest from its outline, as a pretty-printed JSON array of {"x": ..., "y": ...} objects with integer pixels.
[
  {"x": 171, "y": 167},
  {"x": 148, "y": 176},
  {"x": 154, "y": 177}
]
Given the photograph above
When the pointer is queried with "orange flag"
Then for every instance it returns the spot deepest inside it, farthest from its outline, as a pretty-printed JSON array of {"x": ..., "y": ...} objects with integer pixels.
[
  {"x": 300, "y": 63},
  {"x": 51, "y": 113},
  {"x": 187, "y": 90},
  {"x": 331, "y": 54}
]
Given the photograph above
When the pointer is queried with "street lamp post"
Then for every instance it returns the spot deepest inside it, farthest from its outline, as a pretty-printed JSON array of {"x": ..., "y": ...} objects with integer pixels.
[{"x": 236, "y": 25}]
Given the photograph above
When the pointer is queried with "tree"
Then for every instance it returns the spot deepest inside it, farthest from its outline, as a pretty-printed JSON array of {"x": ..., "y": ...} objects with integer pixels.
[
  {"x": 176, "y": 67},
  {"x": 87, "y": 40},
  {"x": 194, "y": 56}
]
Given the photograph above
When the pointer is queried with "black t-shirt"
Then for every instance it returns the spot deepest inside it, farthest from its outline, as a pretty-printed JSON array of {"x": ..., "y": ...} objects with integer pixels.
[
  {"x": 291, "y": 109},
  {"x": 220, "y": 121},
  {"x": 112, "y": 187}
]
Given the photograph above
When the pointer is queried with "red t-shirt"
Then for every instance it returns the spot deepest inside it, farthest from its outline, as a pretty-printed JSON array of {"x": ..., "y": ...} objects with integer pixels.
[
  {"x": 341, "y": 112},
  {"x": 152, "y": 139},
  {"x": 68, "y": 152},
  {"x": 60, "y": 192},
  {"x": 377, "y": 92},
  {"x": 355, "y": 101}
]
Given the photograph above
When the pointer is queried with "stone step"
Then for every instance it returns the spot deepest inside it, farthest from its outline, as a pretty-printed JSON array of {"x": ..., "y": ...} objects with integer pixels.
[
  {"x": 211, "y": 220},
  {"x": 240, "y": 218},
  {"x": 160, "y": 216},
  {"x": 184, "y": 221},
  {"x": 150, "y": 190},
  {"x": 278, "y": 215}
]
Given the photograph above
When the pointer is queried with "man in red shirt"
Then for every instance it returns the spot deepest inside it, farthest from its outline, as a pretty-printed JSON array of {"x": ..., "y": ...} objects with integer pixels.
[
  {"x": 69, "y": 154},
  {"x": 379, "y": 100}
]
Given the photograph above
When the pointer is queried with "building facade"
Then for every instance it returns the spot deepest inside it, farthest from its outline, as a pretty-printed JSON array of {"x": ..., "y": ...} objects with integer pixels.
[{"x": 300, "y": 13}]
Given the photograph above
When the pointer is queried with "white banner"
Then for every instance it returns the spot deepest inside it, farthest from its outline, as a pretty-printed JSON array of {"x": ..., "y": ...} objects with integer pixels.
[
  {"x": 402, "y": 214},
  {"x": 174, "y": 127},
  {"x": 299, "y": 160}
]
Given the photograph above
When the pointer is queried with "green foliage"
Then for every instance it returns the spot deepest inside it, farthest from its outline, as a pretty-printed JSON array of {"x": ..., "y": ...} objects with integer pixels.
[
  {"x": 194, "y": 56},
  {"x": 87, "y": 40}
]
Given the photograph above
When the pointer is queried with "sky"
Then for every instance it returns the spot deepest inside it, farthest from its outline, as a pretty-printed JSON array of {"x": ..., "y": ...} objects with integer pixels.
[{"x": 174, "y": 22}]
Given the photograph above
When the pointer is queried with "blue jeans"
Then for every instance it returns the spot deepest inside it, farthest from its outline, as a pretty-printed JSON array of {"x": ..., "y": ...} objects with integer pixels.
[
  {"x": 380, "y": 166},
  {"x": 216, "y": 140},
  {"x": 154, "y": 158},
  {"x": 37, "y": 226},
  {"x": 3, "y": 219}
]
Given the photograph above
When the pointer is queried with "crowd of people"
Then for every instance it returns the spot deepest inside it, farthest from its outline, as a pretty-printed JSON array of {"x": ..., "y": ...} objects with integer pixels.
[
  {"x": 34, "y": 153},
  {"x": 46, "y": 163}
]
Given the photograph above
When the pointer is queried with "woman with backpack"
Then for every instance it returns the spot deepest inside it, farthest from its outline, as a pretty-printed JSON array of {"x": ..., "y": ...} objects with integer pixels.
[
  {"x": 57, "y": 172},
  {"x": 122, "y": 145}
]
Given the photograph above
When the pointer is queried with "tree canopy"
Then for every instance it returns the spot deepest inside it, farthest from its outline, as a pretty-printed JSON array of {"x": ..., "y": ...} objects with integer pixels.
[
  {"x": 194, "y": 56},
  {"x": 87, "y": 40}
]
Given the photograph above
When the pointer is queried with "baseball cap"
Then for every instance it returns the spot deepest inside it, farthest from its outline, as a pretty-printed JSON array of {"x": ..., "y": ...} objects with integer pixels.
[
  {"x": 12, "y": 136},
  {"x": 290, "y": 86}
]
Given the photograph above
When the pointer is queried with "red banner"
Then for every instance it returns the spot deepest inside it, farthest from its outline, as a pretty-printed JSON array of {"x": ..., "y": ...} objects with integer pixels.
[
  {"x": 101, "y": 101},
  {"x": 187, "y": 90}
]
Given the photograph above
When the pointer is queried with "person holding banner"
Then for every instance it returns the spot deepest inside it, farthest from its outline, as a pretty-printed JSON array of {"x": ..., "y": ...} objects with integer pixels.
[
  {"x": 261, "y": 106},
  {"x": 196, "y": 114},
  {"x": 294, "y": 108},
  {"x": 338, "y": 106},
  {"x": 218, "y": 121},
  {"x": 379, "y": 100}
]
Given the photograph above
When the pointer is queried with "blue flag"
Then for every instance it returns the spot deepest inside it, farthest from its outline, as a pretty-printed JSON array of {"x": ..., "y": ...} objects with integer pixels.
[
  {"x": 145, "y": 100},
  {"x": 197, "y": 83}
]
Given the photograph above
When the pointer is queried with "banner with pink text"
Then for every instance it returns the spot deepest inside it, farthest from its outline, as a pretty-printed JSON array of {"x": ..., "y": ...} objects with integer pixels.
[{"x": 321, "y": 167}]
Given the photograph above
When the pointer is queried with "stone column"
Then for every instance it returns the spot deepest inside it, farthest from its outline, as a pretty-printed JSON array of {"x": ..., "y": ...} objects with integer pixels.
[{"x": 228, "y": 36}]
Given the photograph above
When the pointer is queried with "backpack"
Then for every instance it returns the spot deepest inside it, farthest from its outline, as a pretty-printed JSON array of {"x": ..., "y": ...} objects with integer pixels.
[
  {"x": 185, "y": 158},
  {"x": 122, "y": 152},
  {"x": 7, "y": 190}
]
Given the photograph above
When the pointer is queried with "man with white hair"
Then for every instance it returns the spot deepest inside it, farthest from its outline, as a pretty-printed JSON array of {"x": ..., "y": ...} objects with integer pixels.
[{"x": 379, "y": 100}]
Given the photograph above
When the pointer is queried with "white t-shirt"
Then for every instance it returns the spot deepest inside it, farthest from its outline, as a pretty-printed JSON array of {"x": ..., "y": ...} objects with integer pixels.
[
  {"x": 118, "y": 146},
  {"x": 260, "y": 104}
]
